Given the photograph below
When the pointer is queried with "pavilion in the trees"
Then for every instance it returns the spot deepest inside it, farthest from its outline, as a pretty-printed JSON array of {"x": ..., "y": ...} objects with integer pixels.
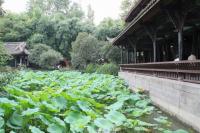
[
  {"x": 19, "y": 53},
  {"x": 161, "y": 53}
]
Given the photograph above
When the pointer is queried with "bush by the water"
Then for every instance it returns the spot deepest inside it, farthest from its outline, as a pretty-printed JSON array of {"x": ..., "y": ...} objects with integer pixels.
[
  {"x": 110, "y": 68},
  {"x": 91, "y": 68},
  {"x": 49, "y": 59},
  {"x": 7, "y": 74},
  {"x": 4, "y": 55},
  {"x": 44, "y": 56}
]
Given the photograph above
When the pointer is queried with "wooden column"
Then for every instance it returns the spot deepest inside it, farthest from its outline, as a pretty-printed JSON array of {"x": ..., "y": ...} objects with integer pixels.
[
  {"x": 15, "y": 62},
  {"x": 127, "y": 61},
  {"x": 122, "y": 55},
  {"x": 133, "y": 42},
  {"x": 152, "y": 32},
  {"x": 177, "y": 17},
  {"x": 180, "y": 44},
  {"x": 135, "y": 53}
]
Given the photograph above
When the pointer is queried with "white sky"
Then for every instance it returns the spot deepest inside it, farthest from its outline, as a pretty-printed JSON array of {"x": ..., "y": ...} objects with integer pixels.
[{"x": 102, "y": 8}]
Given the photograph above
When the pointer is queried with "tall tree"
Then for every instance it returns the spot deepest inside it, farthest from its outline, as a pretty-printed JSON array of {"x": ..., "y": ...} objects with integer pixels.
[
  {"x": 90, "y": 14},
  {"x": 126, "y": 6},
  {"x": 108, "y": 28},
  {"x": 1, "y": 9},
  {"x": 50, "y": 7}
]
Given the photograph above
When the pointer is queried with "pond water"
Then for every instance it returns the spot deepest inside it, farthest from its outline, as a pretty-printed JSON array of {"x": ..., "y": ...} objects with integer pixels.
[{"x": 166, "y": 123}]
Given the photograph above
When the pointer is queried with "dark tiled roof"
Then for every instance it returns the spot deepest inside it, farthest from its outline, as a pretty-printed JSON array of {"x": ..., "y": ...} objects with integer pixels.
[{"x": 16, "y": 48}]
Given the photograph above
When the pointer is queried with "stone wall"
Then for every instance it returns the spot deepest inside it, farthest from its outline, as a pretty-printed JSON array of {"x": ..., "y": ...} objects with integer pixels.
[{"x": 180, "y": 99}]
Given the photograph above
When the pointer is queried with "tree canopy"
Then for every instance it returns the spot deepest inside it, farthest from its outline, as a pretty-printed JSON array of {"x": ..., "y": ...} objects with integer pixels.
[
  {"x": 59, "y": 25},
  {"x": 126, "y": 6},
  {"x": 108, "y": 28}
]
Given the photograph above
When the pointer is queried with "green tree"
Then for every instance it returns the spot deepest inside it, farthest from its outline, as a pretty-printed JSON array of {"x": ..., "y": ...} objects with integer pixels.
[
  {"x": 108, "y": 28},
  {"x": 111, "y": 53},
  {"x": 49, "y": 59},
  {"x": 126, "y": 6},
  {"x": 4, "y": 56},
  {"x": 36, "y": 51},
  {"x": 13, "y": 27},
  {"x": 44, "y": 56},
  {"x": 85, "y": 50},
  {"x": 1, "y": 9},
  {"x": 90, "y": 14}
]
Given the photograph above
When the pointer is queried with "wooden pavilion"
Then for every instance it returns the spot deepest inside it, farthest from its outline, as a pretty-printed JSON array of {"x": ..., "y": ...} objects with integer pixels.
[
  {"x": 19, "y": 52},
  {"x": 162, "y": 38}
]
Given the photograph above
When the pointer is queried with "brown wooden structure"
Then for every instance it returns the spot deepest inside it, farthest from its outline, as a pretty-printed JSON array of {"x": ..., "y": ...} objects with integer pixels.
[
  {"x": 19, "y": 52},
  {"x": 157, "y": 33}
]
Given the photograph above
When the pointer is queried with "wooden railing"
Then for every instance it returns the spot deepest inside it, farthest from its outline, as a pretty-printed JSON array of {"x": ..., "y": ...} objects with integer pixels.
[{"x": 187, "y": 71}]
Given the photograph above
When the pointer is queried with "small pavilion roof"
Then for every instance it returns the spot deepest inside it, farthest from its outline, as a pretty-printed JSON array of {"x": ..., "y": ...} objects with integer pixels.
[{"x": 16, "y": 48}]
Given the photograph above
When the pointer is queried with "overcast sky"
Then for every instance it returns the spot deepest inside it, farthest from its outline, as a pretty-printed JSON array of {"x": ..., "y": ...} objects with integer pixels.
[{"x": 102, "y": 8}]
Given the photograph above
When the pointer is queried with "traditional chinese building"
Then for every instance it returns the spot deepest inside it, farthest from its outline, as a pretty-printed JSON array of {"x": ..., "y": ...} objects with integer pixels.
[
  {"x": 19, "y": 52},
  {"x": 160, "y": 53}
]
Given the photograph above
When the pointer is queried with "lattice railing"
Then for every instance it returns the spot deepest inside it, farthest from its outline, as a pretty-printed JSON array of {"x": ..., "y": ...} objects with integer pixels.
[{"x": 188, "y": 71}]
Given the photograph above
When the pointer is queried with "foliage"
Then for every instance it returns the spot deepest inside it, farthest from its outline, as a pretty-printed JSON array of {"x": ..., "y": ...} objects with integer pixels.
[
  {"x": 111, "y": 69},
  {"x": 111, "y": 53},
  {"x": 7, "y": 74},
  {"x": 4, "y": 56},
  {"x": 126, "y": 6},
  {"x": 36, "y": 51},
  {"x": 50, "y": 22},
  {"x": 72, "y": 102},
  {"x": 44, "y": 56},
  {"x": 14, "y": 27},
  {"x": 49, "y": 58},
  {"x": 1, "y": 9},
  {"x": 91, "y": 68},
  {"x": 35, "y": 39},
  {"x": 108, "y": 28},
  {"x": 85, "y": 50}
]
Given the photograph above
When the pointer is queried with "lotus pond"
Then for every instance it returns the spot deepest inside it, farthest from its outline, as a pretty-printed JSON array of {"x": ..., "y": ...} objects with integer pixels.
[{"x": 72, "y": 102}]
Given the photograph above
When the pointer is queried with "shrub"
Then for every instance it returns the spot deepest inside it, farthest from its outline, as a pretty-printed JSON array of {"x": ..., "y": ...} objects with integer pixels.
[
  {"x": 44, "y": 56},
  {"x": 91, "y": 68},
  {"x": 110, "y": 68},
  {"x": 36, "y": 51},
  {"x": 111, "y": 53},
  {"x": 85, "y": 50},
  {"x": 7, "y": 74},
  {"x": 49, "y": 59},
  {"x": 4, "y": 56},
  {"x": 35, "y": 39}
]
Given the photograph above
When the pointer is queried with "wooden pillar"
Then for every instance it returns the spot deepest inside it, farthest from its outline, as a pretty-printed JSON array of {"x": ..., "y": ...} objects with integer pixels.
[
  {"x": 177, "y": 17},
  {"x": 127, "y": 56},
  {"x": 135, "y": 53},
  {"x": 20, "y": 62},
  {"x": 154, "y": 49},
  {"x": 133, "y": 43},
  {"x": 122, "y": 55},
  {"x": 180, "y": 44},
  {"x": 15, "y": 62},
  {"x": 152, "y": 32}
]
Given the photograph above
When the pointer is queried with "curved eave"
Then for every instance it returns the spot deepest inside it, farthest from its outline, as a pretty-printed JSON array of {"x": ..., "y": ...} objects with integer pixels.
[
  {"x": 134, "y": 10},
  {"x": 131, "y": 25}
]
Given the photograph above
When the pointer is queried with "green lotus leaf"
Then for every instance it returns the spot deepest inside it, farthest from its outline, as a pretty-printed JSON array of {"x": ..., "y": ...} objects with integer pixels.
[
  {"x": 116, "y": 117},
  {"x": 35, "y": 129},
  {"x": 104, "y": 124}
]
